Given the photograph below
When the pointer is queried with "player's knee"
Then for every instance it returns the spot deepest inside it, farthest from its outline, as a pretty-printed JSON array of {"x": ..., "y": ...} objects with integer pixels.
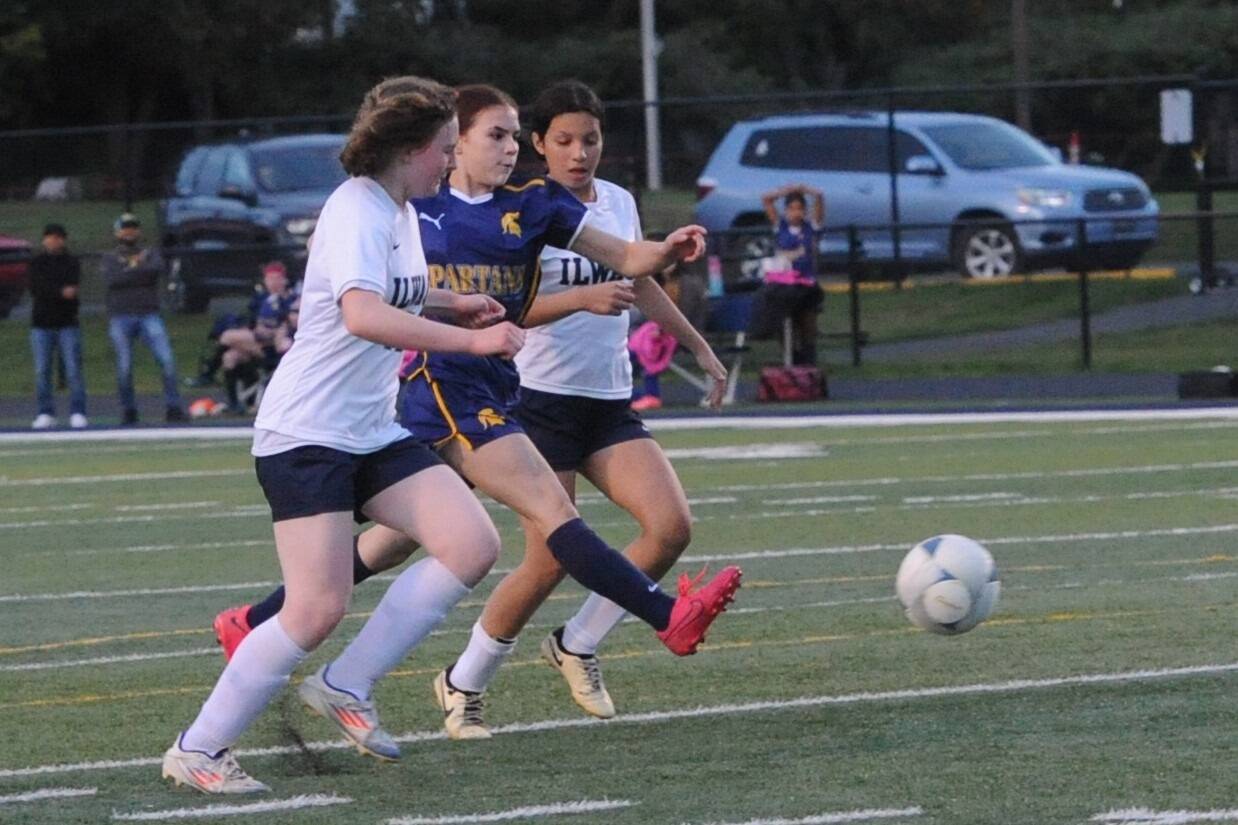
[
  {"x": 673, "y": 534},
  {"x": 311, "y": 621},
  {"x": 478, "y": 549}
]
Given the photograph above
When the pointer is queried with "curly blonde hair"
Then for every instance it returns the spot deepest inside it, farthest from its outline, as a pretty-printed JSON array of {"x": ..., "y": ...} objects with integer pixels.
[{"x": 399, "y": 113}]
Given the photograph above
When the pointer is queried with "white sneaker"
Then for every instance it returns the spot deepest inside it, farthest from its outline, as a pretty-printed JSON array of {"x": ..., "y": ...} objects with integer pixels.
[
  {"x": 462, "y": 711},
  {"x": 209, "y": 774},
  {"x": 78, "y": 421},
  {"x": 43, "y": 421},
  {"x": 356, "y": 718},
  {"x": 583, "y": 676}
]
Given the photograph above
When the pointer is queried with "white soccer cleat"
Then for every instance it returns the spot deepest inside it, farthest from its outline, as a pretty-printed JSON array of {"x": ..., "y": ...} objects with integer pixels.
[
  {"x": 462, "y": 711},
  {"x": 356, "y": 718},
  {"x": 78, "y": 421},
  {"x": 583, "y": 676},
  {"x": 43, "y": 421},
  {"x": 208, "y": 774}
]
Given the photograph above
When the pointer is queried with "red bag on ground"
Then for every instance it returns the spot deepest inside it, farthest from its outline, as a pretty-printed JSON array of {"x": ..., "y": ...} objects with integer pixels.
[{"x": 791, "y": 384}]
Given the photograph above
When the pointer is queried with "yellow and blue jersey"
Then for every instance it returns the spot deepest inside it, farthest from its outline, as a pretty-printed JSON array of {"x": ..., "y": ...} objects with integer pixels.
[{"x": 491, "y": 245}]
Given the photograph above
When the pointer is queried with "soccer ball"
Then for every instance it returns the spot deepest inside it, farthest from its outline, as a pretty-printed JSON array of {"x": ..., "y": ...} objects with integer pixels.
[
  {"x": 948, "y": 584},
  {"x": 205, "y": 407}
]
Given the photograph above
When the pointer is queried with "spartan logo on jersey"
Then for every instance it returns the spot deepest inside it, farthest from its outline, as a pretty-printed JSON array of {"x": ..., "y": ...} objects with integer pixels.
[
  {"x": 510, "y": 223},
  {"x": 407, "y": 292},
  {"x": 488, "y": 418}
]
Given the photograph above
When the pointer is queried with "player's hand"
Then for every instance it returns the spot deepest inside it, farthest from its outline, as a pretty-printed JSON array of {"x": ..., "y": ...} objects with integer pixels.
[
  {"x": 712, "y": 367},
  {"x": 477, "y": 311},
  {"x": 687, "y": 243},
  {"x": 610, "y": 298},
  {"x": 503, "y": 339}
]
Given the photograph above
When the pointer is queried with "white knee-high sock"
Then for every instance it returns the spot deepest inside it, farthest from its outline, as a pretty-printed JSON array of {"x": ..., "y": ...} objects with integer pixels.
[
  {"x": 585, "y": 631},
  {"x": 258, "y": 670},
  {"x": 478, "y": 663},
  {"x": 414, "y": 605}
]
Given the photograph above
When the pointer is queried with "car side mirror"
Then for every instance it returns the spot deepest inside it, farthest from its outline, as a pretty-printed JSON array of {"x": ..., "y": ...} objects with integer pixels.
[
  {"x": 923, "y": 165},
  {"x": 236, "y": 193}
]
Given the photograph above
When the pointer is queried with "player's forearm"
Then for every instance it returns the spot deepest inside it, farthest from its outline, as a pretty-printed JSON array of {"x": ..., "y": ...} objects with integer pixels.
[
  {"x": 636, "y": 259},
  {"x": 652, "y": 300},
  {"x": 547, "y": 309},
  {"x": 442, "y": 300},
  {"x": 368, "y": 316}
]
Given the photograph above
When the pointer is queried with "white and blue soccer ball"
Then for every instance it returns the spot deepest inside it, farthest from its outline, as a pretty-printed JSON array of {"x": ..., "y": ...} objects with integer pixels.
[{"x": 948, "y": 584}]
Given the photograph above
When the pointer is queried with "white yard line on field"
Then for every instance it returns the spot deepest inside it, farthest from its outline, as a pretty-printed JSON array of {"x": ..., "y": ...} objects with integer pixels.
[
  {"x": 1143, "y": 816},
  {"x": 694, "y": 558},
  {"x": 169, "y": 475},
  {"x": 110, "y": 660},
  {"x": 582, "y": 806},
  {"x": 47, "y": 793},
  {"x": 654, "y": 717},
  {"x": 859, "y": 815},
  {"x": 293, "y": 804},
  {"x": 175, "y": 505}
]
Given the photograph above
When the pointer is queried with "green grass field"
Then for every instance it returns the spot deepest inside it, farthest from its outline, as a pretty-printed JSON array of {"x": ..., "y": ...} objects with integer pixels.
[{"x": 1106, "y": 680}]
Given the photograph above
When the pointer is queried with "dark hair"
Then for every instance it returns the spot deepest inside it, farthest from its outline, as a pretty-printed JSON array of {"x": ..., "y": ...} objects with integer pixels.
[
  {"x": 55, "y": 229},
  {"x": 397, "y": 114},
  {"x": 795, "y": 197},
  {"x": 561, "y": 98},
  {"x": 475, "y": 97}
]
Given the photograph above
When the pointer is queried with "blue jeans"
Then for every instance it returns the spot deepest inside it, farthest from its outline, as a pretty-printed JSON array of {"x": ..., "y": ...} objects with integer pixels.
[
  {"x": 123, "y": 329},
  {"x": 44, "y": 342}
]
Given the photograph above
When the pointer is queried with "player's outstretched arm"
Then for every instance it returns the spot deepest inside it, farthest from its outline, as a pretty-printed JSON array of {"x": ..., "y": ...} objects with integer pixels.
[
  {"x": 609, "y": 298},
  {"x": 658, "y": 307},
  {"x": 368, "y": 316},
  {"x": 640, "y": 259}
]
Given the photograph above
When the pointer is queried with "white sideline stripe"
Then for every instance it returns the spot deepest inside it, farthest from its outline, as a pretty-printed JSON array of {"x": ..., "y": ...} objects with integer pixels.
[
  {"x": 859, "y": 815},
  {"x": 745, "y": 452},
  {"x": 47, "y": 793},
  {"x": 791, "y": 502},
  {"x": 919, "y": 419},
  {"x": 845, "y": 549},
  {"x": 46, "y": 508},
  {"x": 765, "y": 422},
  {"x": 155, "y": 548},
  {"x": 1143, "y": 816},
  {"x": 295, "y": 803},
  {"x": 48, "y": 481},
  {"x": 109, "y": 660},
  {"x": 245, "y": 511},
  {"x": 906, "y": 694},
  {"x": 178, "y": 505},
  {"x": 582, "y": 806}
]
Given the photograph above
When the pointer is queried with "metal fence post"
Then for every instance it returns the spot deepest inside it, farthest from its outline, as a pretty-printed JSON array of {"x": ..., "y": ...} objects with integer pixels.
[
  {"x": 127, "y": 138},
  {"x": 1206, "y": 228},
  {"x": 853, "y": 279},
  {"x": 1085, "y": 310}
]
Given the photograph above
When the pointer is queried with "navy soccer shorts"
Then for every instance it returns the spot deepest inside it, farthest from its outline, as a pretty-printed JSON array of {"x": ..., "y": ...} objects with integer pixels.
[
  {"x": 567, "y": 429},
  {"x": 310, "y": 480}
]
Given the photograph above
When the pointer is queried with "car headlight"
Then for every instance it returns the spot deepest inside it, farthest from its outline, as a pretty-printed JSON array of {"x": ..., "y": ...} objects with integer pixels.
[
  {"x": 301, "y": 226},
  {"x": 1048, "y": 198}
]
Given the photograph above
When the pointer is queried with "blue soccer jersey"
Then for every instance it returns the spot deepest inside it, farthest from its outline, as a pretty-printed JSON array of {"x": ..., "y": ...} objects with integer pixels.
[{"x": 492, "y": 245}]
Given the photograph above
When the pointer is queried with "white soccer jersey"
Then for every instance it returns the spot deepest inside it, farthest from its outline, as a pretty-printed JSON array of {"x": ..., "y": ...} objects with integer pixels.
[
  {"x": 583, "y": 354},
  {"x": 333, "y": 388}
]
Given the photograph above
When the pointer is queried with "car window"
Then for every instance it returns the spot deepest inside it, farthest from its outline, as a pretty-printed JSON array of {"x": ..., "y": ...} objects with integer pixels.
[
  {"x": 189, "y": 171},
  {"x": 293, "y": 168},
  {"x": 980, "y": 146},
  {"x": 829, "y": 148},
  {"x": 236, "y": 172},
  {"x": 211, "y": 175}
]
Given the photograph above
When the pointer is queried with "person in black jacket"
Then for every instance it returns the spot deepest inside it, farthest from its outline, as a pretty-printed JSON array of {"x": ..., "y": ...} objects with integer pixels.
[
  {"x": 131, "y": 275},
  {"x": 55, "y": 274}
]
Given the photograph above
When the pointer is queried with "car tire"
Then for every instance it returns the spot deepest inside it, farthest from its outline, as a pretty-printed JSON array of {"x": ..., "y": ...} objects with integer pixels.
[
  {"x": 984, "y": 251},
  {"x": 753, "y": 251}
]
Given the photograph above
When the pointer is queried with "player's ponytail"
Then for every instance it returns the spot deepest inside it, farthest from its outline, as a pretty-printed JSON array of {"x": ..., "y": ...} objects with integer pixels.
[{"x": 399, "y": 113}]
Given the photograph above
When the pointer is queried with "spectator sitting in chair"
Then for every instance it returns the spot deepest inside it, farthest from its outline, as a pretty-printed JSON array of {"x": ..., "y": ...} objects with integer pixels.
[
  {"x": 257, "y": 347},
  {"x": 791, "y": 289}
]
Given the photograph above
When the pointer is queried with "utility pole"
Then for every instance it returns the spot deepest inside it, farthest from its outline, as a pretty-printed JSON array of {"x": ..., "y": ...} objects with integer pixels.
[
  {"x": 649, "y": 72},
  {"x": 1022, "y": 73}
]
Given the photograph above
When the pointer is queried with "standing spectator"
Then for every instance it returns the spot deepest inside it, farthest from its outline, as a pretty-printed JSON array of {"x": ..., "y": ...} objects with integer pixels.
[
  {"x": 131, "y": 274},
  {"x": 55, "y": 274}
]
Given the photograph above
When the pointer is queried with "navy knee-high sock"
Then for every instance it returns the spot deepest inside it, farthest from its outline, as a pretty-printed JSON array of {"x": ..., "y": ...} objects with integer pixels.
[
  {"x": 259, "y": 612},
  {"x": 607, "y": 572}
]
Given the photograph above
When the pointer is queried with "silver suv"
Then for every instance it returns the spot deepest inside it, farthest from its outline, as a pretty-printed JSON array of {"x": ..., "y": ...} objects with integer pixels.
[{"x": 1004, "y": 201}]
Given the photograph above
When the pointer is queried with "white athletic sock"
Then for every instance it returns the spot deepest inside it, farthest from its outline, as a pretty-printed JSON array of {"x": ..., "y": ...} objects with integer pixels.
[
  {"x": 478, "y": 663},
  {"x": 414, "y": 605},
  {"x": 258, "y": 670},
  {"x": 585, "y": 631}
]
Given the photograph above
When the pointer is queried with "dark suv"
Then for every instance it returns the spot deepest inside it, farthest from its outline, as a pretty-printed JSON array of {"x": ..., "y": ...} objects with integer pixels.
[
  {"x": 236, "y": 205},
  {"x": 14, "y": 272}
]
